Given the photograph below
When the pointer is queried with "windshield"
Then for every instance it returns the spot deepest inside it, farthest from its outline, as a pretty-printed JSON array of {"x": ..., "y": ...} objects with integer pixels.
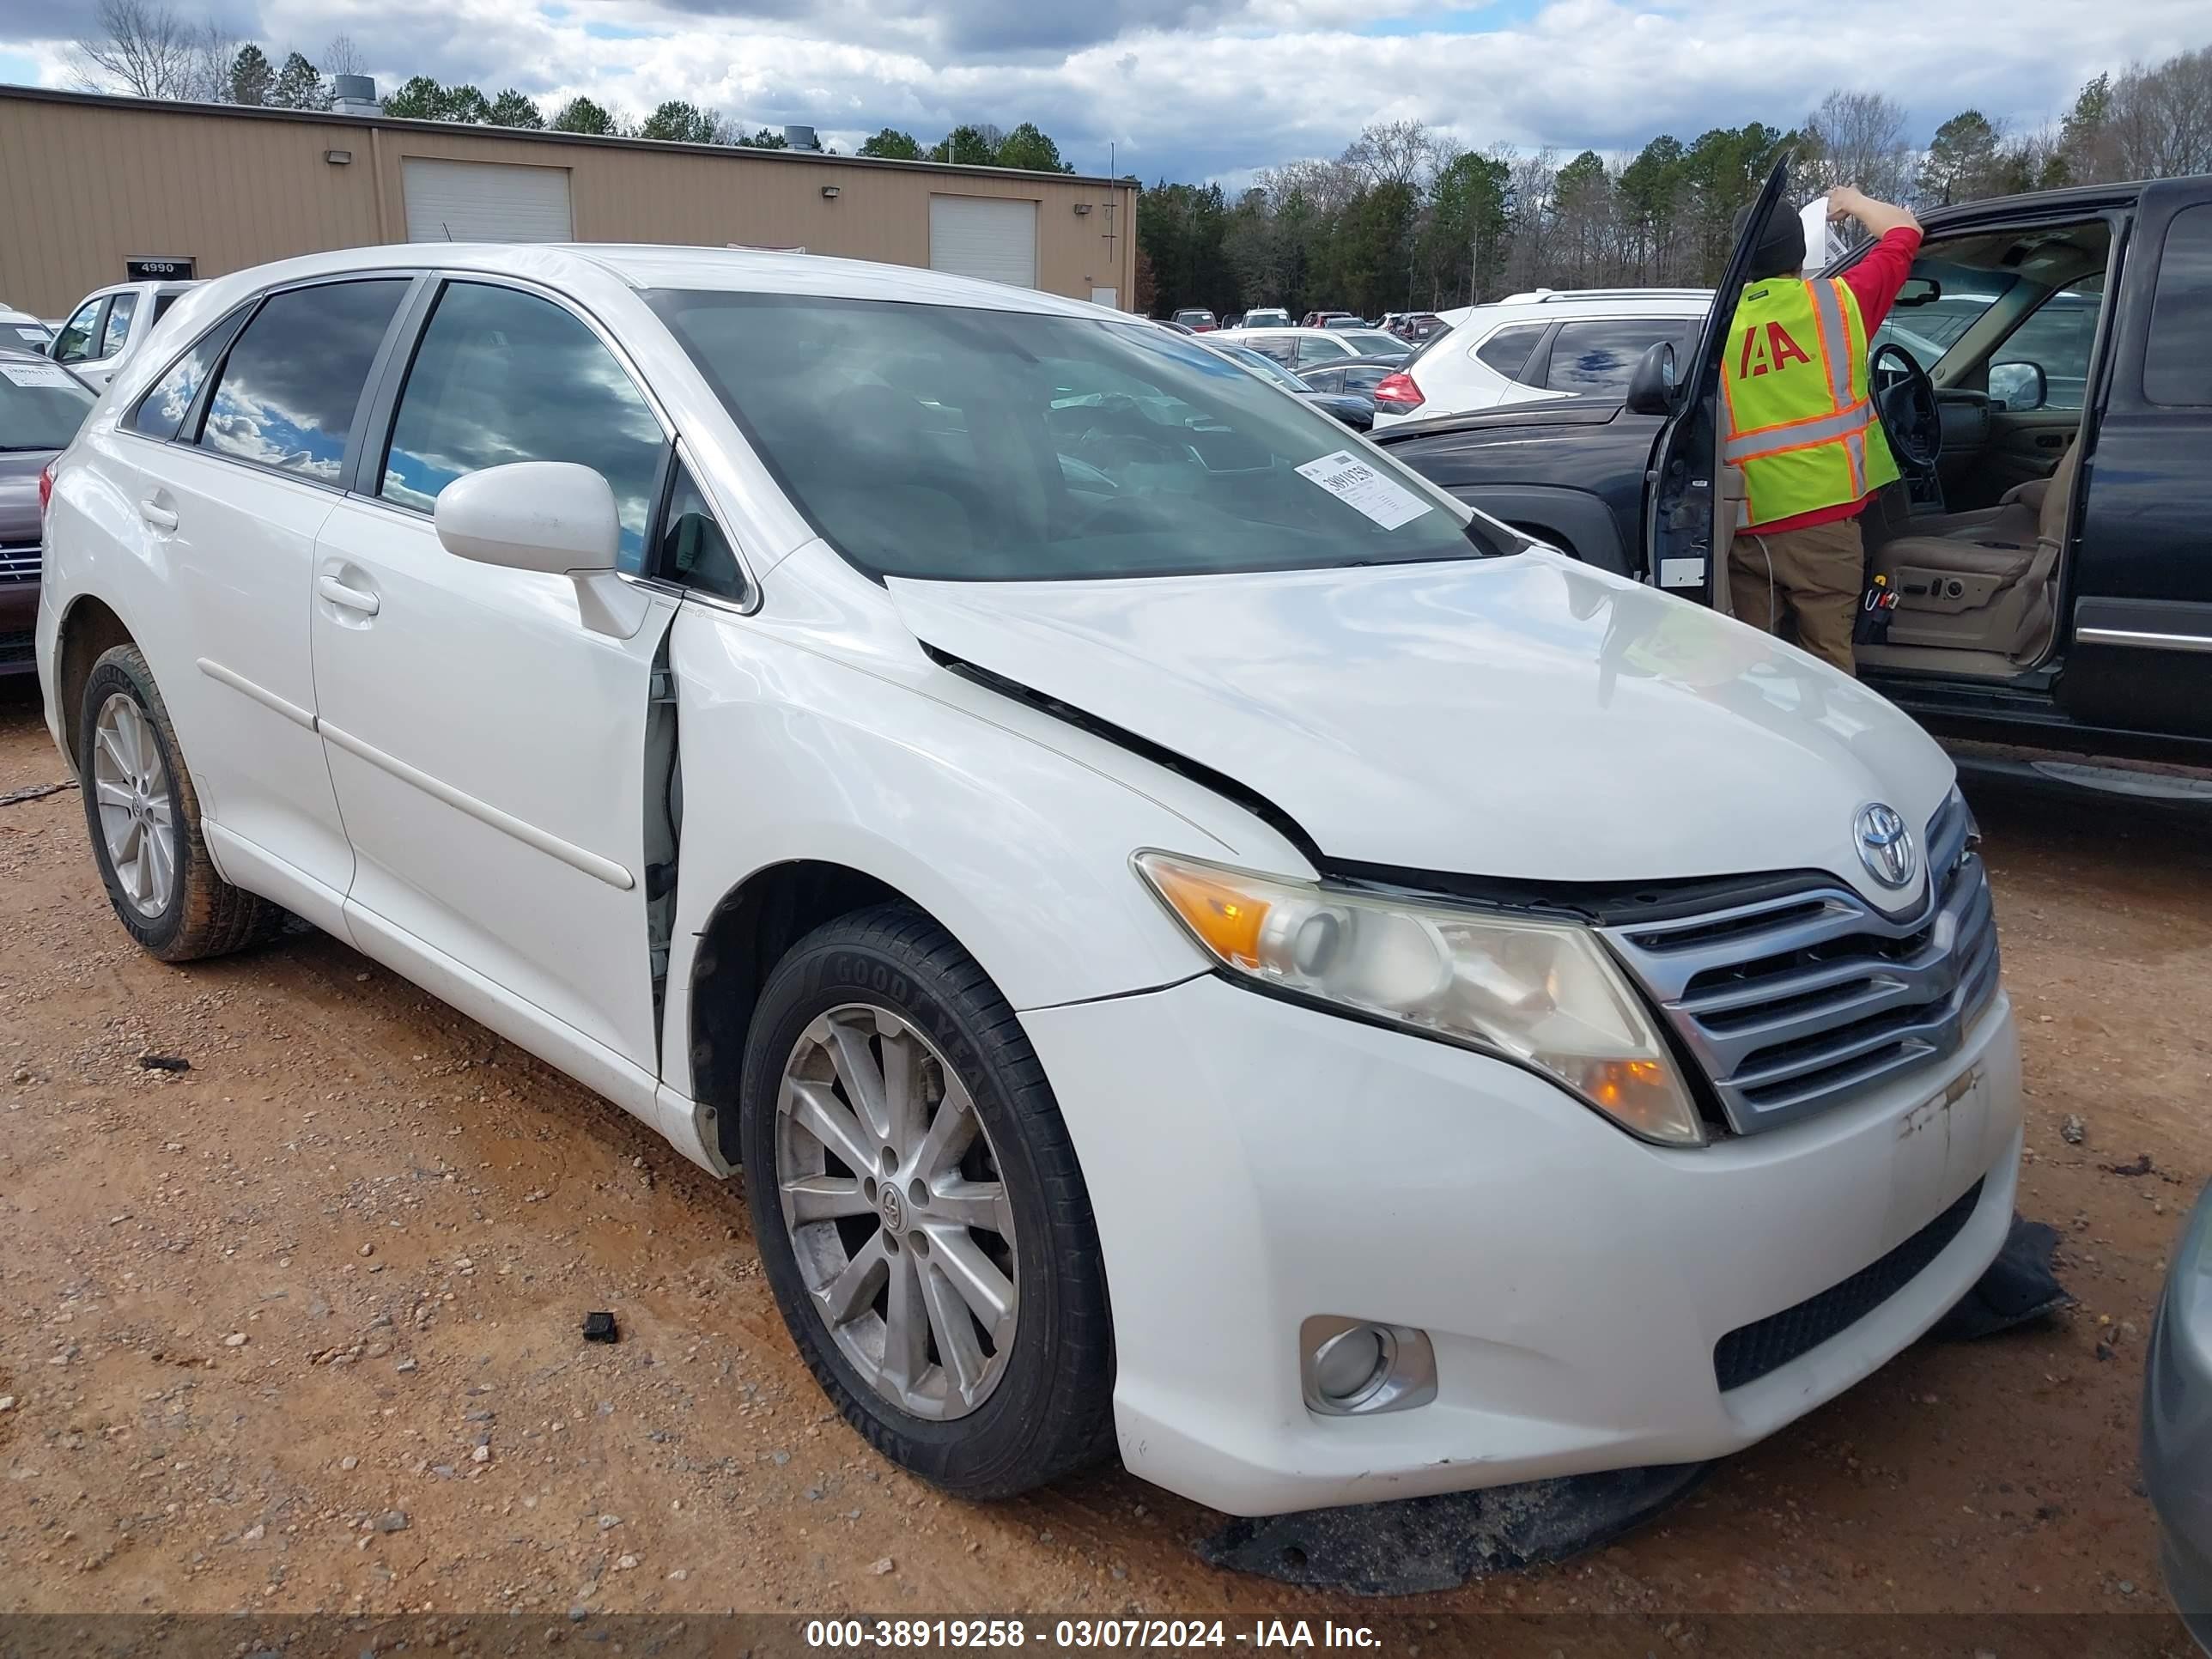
[
  {"x": 41, "y": 405},
  {"x": 967, "y": 444}
]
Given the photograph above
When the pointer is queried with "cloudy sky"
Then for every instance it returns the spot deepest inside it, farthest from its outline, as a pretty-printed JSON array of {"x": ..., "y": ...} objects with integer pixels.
[{"x": 1199, "y": 89}]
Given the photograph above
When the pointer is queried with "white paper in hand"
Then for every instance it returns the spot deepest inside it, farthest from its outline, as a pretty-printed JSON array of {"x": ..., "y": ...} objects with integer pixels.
[
  {"x": 1824, "y": 242},
  {"x": 1365, "y": 488},
  {"x": 32, "y": 375}
]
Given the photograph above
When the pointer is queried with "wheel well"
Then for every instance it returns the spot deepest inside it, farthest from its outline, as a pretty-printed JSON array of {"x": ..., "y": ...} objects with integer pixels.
[
  {"x": 89, "y": 630},
  {"x": 751, "y": 929}
]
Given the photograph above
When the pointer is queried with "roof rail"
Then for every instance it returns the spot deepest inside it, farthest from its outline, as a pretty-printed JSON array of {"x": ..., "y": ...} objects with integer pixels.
[{"x": 1548, "y": 296}]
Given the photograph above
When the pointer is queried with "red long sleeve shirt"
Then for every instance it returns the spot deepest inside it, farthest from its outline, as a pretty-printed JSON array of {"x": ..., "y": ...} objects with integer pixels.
[{"x": 1874, "y": 283}]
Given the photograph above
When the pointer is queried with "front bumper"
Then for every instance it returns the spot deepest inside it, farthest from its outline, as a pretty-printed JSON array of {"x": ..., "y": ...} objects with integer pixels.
[
  {"x": 1253, "y": 1163},
  {"x": 2176, "y": 1423}
]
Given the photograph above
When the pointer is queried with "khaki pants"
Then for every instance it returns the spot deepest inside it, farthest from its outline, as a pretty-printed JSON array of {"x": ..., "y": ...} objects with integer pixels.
[{"x": 1815, "y": 577}]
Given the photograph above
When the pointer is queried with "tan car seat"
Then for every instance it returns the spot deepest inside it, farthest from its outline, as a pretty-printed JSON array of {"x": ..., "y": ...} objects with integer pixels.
[{"x": 1984, "y": 591}]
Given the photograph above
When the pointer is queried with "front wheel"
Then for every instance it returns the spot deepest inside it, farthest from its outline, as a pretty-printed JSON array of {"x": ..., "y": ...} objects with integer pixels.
[
  {"x": 921, "y": 1216},
  {"x": 144, "y": 817}
]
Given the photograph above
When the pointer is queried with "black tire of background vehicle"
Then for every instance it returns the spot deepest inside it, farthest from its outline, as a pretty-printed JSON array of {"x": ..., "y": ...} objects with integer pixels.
[
  {"x": 1052, "y": 1413},
  {"x": 206, "y": 915}
]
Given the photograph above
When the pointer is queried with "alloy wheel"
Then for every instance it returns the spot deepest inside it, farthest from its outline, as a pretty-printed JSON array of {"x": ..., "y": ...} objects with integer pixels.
[
  {"x": 131, "y": 787},
  {"x": 896, "y": 1212}
]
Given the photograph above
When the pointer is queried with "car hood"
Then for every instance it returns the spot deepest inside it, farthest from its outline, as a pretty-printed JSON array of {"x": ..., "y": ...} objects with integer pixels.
[
  {"x": 1522, "y": 717},
  {"x": 19, "y": 493}
]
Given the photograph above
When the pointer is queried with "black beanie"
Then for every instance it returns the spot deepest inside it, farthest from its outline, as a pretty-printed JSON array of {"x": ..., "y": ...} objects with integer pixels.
[{"x": 1780, "y": 249}]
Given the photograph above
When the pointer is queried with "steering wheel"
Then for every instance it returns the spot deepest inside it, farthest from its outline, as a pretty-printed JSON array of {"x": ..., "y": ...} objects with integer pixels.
[{"x": 1905, "y": 401}]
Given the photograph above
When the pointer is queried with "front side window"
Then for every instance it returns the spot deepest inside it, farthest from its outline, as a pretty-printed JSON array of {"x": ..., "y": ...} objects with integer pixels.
[
  {"x": 1321, "y": 349},
  {"x": 503, "y": 376},
  {"x": 40, "y": 406},
  {"x": 1508, "y": 350},
  {"x": 286, "y": 395},
  {"x": 1326, "y": 380},
  {"x": 162, "y": 409},
  {"x": 73, "y": 343},
  {"x": 693, "y": 549},
  {"x": 1596, "y": 359},
  {"x": 2057, "y": 337},
  {"x": 942, "y": 443},
  {"x": 2178, "y": 357},
  {"x": 117, "y": 329}
]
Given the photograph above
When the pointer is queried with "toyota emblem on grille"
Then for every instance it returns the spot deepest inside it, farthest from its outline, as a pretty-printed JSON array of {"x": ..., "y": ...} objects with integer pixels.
[{"x": 1885, "y": 845}]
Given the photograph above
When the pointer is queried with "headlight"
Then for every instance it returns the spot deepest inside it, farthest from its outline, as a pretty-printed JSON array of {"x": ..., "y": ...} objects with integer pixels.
[{"x": 1546, "y": 994}]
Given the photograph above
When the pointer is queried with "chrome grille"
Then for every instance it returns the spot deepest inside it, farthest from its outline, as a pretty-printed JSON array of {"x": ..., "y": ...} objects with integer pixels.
[
  {"x": 1795, "y": 1003},
  {"x": 19, "y": 561}
]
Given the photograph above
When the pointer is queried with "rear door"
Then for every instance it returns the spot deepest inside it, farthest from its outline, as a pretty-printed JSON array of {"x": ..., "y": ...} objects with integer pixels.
[
  {"x": 2139, "y": 593},
  {"x": 1684, "y": 535}
]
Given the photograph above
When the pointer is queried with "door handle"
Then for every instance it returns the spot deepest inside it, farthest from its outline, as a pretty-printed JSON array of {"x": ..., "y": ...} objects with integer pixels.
[
  {"x": 157, "y": 515},
  {"x": 350, "y": 598}
]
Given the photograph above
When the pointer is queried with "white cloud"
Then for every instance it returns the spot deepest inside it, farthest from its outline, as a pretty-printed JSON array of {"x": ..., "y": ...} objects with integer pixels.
[{"x": 1185, "y": 89}]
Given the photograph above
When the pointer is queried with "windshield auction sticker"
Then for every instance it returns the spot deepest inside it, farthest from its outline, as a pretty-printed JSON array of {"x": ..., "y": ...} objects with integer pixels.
[
  {"x": 1364, "y": 489},
  {"x": 35, "y": 373}
]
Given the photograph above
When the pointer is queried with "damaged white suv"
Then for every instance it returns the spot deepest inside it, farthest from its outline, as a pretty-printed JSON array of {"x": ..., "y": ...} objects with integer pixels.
[{"x": 1188, "y": 933}]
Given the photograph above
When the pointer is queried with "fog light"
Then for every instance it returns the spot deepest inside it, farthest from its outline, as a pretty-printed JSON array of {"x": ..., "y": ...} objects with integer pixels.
[{"x": 1351, "y": 1367}]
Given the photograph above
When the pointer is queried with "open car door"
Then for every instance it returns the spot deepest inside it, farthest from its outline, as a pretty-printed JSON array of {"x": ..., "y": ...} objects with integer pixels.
[{"x": 1690, "y": 501}]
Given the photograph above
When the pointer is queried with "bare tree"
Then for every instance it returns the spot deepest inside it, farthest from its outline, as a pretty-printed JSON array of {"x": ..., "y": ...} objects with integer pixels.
[
  {"x": 342, "y": 57},
  {"x": 138, "y": 46},
  {"x": 1392, "y": 153},
  {"x": 1858, "y": 138},
  {"x": 211, "y": 50},
  {"x": 2161, "y": 122}
]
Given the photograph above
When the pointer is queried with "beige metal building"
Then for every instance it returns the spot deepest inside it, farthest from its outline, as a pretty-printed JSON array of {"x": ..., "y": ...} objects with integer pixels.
[{"x": 89, "y": 183}]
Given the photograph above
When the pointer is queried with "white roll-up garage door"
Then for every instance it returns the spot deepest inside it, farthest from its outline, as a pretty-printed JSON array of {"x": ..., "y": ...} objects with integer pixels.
[
  {"x": 985, "y": 236},
  {"x": 485, "y": 202}
]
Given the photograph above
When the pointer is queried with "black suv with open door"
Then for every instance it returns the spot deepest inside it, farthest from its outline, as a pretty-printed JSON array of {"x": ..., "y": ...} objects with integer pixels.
[{"x": 2051, "y": 363}]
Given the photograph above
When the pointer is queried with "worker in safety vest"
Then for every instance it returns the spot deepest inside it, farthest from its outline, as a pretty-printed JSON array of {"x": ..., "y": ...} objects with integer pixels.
[{"x": 1797, "y": 420}]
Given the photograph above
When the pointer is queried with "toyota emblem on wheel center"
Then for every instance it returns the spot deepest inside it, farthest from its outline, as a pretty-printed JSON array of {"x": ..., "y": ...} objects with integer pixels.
[{"x": 1885, "y": 845}]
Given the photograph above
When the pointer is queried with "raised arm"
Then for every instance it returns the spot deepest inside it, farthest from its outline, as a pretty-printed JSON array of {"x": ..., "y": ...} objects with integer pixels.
[{"x": 1848, "y": 202}]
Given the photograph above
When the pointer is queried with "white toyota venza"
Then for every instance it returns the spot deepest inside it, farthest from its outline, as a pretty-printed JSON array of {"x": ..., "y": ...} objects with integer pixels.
[{"x": 1194, "y": 939}]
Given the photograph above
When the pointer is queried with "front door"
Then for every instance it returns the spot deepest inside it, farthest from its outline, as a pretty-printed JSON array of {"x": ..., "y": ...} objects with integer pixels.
[
  {"x": 488, "y": 747},
  {"x": 2140, "y": 597},
  {"x": 1686, "y": 512}
]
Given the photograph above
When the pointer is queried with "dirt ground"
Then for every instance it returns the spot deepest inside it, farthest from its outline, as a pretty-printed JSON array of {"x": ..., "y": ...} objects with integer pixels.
[{"x": 297, "y": 1329}]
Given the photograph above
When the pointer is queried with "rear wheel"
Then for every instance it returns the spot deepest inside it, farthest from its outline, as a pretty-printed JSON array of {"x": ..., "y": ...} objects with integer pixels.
[
  {"x": 144, "y": 818},
  {"x": 919, "y": 1214}
]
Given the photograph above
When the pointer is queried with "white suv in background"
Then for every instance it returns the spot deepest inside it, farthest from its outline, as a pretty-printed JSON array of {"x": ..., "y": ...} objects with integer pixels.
[
  {"x": 1544, "y": 343},
  {"x": 109, "y": 324}
]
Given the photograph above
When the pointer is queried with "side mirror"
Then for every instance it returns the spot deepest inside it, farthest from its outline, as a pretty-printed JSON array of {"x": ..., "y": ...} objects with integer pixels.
[
  {"x": 1918, "y": 291},
  {"x": 2018, "y": 386},
  {"x": 1651, "y": 388},
  {"x": 553, "y": 517}
]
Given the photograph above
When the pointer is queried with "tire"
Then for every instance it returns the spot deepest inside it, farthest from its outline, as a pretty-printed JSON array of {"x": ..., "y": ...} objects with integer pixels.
[
  {"x": 200, "y": 915},
  {"x": 1046, "y": 1394}
]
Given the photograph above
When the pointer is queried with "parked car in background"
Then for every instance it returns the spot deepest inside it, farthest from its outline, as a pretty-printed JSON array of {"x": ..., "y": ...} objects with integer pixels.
[
  {"x": 42, "y": 405},
  {"x": 1056, "y": 812},
  {"x": 1542, "y": 344},
  {"x": 1266, "y": 317},
  {"x": 1354, "y": 374},
  {"x": 1323, "y": 318},
  {"x": 1349, "y": 405},
  {"x": 1301, "y": 349},
  {"x": 1412, "y": 326},
  {"x": 108, "y": 326},
  {"x": 2047, "y": 558},
  {"x": 2177, "y": 1423},
  {"x": 20, "y": 328},
  {"x": 1196, "y": 319}
]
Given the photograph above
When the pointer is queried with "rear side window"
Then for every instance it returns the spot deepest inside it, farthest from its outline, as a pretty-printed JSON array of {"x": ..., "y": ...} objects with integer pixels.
[
  {"x": 1598, "y": 358},
  {"x": 161, "y": 304},
  {"x": 1326, "y": 380},
  {"x": 162, "y": 409},
  {"x": 285, "y": 394},
  {"x": 505, "y": 376},
  {"x": 1320, "y": 349},
  {"x": 1507, "y": 351},
  {"x": 119, "y": 314},
  {"x": 2178, "y": 357}
]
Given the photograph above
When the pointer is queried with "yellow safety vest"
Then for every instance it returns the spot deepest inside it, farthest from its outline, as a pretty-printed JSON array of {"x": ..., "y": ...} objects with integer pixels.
[{"x": 1794, "y": 391}]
